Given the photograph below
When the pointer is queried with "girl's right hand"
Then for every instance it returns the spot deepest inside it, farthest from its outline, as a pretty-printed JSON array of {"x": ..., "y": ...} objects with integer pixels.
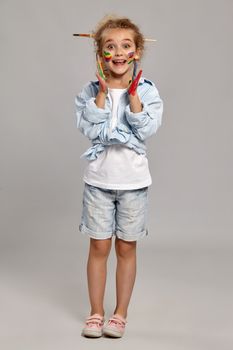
[
  {"x": 103, "y": 85},
  {"x": 103, "y": 91},
  {"x": 100, "y": 75}
]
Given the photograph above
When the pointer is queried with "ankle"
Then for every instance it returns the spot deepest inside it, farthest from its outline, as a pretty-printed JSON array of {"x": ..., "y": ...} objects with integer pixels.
[
  {"x": 121, "y": 313},
  {"x": 97, "y": 311}
]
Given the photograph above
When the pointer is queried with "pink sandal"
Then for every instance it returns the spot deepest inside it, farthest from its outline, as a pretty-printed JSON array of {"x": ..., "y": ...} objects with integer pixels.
[
  {"x": 94, "y": 326},
  {"x": 115, "y": 326}
]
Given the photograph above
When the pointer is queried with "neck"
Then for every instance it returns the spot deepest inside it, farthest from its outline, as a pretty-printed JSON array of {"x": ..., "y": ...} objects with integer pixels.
[{"x": 118, "y": 82}]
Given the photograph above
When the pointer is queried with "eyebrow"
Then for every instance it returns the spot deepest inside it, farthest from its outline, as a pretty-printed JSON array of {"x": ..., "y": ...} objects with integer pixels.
[{"x": 110, "y": 40}]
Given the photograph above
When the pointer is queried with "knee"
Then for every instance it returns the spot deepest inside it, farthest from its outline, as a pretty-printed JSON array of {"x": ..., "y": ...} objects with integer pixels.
[
  {"x": 100, "y": 248},
  {"x": 125, "y": 249}
]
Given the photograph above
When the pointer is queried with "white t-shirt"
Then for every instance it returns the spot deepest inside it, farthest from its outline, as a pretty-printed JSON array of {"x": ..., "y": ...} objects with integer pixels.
[{"x": 118, "y": 167}]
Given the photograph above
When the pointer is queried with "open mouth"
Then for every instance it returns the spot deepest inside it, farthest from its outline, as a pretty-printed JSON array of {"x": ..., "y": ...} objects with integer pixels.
[{"x": 119, "y": 62}]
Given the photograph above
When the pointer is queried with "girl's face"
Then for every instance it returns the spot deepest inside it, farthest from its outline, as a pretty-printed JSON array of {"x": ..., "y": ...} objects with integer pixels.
[{"x": 119, "y": 51}]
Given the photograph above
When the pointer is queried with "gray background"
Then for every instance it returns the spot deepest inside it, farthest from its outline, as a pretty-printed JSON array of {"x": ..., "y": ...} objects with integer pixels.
[{"x": 183, "y": 293}]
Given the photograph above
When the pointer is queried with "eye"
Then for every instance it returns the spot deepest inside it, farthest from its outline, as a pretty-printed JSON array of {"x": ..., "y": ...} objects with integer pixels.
[
  {"x": 110, "y": 46},
  {"x": 126, "y": 46}
]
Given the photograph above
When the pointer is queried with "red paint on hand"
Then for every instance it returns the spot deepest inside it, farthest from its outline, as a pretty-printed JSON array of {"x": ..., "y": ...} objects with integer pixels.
[{"x": 134, "y": 84}]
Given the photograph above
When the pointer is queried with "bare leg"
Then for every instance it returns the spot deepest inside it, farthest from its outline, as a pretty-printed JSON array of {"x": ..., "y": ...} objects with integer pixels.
[
  {"x": 96, "y": 273},
  {"x": 125, "y": 274}
]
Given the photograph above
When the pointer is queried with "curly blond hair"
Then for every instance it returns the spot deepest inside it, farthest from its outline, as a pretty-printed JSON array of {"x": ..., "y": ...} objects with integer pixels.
[{"x": 115, "y": 22}]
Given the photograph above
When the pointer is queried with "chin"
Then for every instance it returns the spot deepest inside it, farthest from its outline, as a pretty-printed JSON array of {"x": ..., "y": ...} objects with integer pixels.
[{"x": 120, "y": 72}]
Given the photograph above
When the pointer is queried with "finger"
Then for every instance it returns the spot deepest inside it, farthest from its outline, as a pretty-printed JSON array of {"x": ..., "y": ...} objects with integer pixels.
[
  {"x": 101, "y": 80},
  {"x": 103, "y": 85},
  {"x": 98, "y": 76},
  {"x": 135, "y": 69},
  {"x": 99, "y": 67},
  {"x": 134, "y": 85}
]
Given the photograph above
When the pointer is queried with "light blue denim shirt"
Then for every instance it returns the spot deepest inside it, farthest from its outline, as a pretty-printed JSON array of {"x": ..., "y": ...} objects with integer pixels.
[{"x": 132, "y": 129}]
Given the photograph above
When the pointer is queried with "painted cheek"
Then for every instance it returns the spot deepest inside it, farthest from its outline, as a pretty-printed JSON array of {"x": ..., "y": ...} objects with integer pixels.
[
  {"x": 131, "y": 54},
  {"x": 130, "y": 57},
  {"x": 107, "y": 56}
]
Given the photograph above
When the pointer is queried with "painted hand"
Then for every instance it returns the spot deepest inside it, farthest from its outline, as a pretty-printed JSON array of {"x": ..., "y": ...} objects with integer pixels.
[
  {"x": 134, "y": 84},
  {"x": 103, "y": 85},
  {"x": 100, "y": 76}
]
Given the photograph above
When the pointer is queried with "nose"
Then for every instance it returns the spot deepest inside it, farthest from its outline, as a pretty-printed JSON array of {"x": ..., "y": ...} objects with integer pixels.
[{"x": 118, "y": 51}]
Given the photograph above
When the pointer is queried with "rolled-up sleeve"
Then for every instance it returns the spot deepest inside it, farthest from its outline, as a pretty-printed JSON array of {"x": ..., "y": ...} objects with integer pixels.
[
  {"x": 90, "y": 119},
  {"x": 146, "y": 122}
]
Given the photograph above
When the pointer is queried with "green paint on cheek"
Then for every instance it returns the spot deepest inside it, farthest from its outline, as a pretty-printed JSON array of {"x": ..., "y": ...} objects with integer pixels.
[{"x": 107, "y": 56}]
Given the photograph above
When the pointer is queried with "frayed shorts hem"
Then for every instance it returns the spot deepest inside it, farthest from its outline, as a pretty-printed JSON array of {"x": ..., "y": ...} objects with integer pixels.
[
  {"x": 130, "y": 237},
  {"x": 84, "y": 230},
  {"x": 125, "y": 237}
]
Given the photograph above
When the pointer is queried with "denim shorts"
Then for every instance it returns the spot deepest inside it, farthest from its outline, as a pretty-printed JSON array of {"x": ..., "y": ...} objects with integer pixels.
[{"x": 114, "y": 212}]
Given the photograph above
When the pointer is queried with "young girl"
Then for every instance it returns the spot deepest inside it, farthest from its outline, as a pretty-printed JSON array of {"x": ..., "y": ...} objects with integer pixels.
[{"x": 117, "y": 113}]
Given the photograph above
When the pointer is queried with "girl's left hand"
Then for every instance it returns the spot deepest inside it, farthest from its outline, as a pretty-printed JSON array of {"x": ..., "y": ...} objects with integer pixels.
[
  {"x": 134, "y": 84},
  {"x": 135, "y": 102}
]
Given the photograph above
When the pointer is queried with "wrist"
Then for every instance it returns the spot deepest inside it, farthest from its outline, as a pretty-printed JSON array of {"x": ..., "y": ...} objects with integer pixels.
[
  {"x": 103, "y": 92},
  {"x": 133, "y": 96},
  {"x": 100, "y": 99},
  {"x": 135, "y": 103}
]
